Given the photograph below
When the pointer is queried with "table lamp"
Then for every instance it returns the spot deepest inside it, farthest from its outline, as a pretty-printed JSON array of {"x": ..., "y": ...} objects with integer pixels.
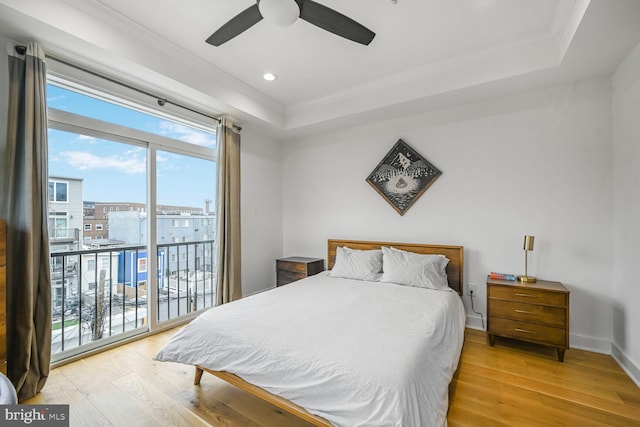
[{"x": 528, "y": 246}]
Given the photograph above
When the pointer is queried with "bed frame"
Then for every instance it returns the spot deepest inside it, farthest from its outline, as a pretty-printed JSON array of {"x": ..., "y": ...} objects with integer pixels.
[{"x": 454, "y": 275}]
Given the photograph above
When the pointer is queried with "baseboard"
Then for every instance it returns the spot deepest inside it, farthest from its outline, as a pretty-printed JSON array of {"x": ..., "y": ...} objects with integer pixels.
[
  {"x": 593, "y": 344},
  {"x": 626, "y": 363},
  {"x": 475, "y": 322}
]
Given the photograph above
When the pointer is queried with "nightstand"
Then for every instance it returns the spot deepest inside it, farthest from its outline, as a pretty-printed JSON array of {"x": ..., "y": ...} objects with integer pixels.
[
  {"x": 295, "y": 268},
  {"x": 534, "y": 312}
]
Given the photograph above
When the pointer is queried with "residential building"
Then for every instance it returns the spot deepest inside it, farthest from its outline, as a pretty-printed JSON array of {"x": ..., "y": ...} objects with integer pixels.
[
  {"x": 103, "y": 209},
  {"x": 65, "y": 234},
  {"x": 93, "y": 228},
  {"x": 96, "y": 219},
  {"x": 173, "y": 231},
  {"x": 65, "y": 213}
]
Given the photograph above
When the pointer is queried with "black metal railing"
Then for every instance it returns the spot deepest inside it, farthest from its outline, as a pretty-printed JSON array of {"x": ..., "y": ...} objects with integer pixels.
[
  {"x": 185, "y": 278},
  {"x": 101, "y": 293}
]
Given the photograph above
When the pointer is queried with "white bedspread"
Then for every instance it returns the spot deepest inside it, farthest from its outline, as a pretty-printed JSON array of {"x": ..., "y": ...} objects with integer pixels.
[{"x": 356, "y": 353}]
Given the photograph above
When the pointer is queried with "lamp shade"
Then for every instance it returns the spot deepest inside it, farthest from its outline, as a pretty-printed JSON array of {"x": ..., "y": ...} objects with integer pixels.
[
  {"x": 283, "y": 13},
  {"x": 528, "y": 243}
]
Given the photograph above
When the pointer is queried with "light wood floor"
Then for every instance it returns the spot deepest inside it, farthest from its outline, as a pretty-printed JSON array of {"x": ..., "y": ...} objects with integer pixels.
[{"x": 511, "y": 384}]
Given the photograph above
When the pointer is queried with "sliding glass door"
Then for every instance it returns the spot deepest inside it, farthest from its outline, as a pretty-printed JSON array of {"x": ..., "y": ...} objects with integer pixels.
[{"x": 131, "y": 221}]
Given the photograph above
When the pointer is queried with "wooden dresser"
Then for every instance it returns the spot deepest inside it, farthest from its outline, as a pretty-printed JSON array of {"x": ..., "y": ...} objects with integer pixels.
[
  {"x": 535, "y": 312},
  {"x": 3, "y": 297},
  {"x": 295, "y": 268}
]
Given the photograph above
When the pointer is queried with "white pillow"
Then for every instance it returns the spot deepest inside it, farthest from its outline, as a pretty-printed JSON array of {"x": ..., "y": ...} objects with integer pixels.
[
  {"x": 411, "y": 269},
  {"x": 357, "y": 264}
]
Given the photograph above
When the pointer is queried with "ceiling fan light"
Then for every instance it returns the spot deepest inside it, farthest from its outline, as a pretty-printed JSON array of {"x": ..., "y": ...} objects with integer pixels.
[{"x": 283, "y": 13}]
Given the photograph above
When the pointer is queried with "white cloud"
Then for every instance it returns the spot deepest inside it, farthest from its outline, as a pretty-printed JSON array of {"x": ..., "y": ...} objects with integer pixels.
[
  {"x": 82, "y": 160},
  {"x": 187, "y": 134},
  {"x": 90, "y": 139},
  {"x": 55, "y": 98}
]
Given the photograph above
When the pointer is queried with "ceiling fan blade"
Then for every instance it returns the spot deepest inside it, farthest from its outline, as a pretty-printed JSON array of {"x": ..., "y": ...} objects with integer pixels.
[
  {"x": 334, "y": 22},
  {"x": 237, "y": 25}
]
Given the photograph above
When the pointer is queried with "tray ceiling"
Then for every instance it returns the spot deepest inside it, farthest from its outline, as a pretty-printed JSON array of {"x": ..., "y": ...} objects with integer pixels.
[{"x": 423, "y": 50}]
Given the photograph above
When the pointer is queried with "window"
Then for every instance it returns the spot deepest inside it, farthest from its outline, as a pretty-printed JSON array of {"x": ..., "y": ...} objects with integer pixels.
[
  {"x": 98, "y": 227},
  {"x": 91, "y": 264},
  {"x": 58, "y": 191},
  {"x": 142, "y": 265},
  {"x": 87, "y": 227},
  {"x": 58, "y": 225}
]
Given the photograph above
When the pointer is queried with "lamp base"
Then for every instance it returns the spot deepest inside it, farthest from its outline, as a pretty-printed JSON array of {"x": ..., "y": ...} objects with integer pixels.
[{"x": 527, "y": 279}]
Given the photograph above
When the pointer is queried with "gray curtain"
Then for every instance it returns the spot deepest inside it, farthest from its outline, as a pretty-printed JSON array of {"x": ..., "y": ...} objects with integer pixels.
[
  {"x": 229, "y": 287},
  {"x": 25, "y": 208}
]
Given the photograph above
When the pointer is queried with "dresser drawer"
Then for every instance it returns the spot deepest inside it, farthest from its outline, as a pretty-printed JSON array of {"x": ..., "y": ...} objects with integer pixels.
[
  {"x": 292, "y": 266},
  {"x": 527, "y": 295},
  {"x": 548, "y": 315},
  {"x": 284, "y": 276},
  {"x": 528, "y": 331}
]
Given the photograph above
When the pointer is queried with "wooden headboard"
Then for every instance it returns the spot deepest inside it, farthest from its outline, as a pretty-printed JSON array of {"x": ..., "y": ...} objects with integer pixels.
[{"x": 454, "y": 253}]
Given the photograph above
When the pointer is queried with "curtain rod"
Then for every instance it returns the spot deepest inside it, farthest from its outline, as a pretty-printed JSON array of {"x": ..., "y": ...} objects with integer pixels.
[{"x": 161, "y": 101}]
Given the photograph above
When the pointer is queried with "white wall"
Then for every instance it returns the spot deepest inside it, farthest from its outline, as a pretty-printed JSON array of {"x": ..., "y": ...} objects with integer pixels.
[
  {"x": 261, "y": 210},
  {"x": 530, "y": 163},
  {"x": 626, "y": 213}
]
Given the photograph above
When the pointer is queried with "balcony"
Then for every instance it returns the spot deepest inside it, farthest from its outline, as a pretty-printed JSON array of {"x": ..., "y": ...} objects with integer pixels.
[
  {"x": 101, "y": 295},
  {"x": 64, "y": 235}
]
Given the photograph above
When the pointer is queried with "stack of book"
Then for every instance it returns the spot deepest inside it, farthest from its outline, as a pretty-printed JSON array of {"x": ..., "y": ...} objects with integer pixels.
[{"x": 502, "y": 276}]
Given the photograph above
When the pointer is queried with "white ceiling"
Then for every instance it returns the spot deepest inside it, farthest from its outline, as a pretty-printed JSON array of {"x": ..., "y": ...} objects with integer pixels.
[{"x": 426, "y": 52}]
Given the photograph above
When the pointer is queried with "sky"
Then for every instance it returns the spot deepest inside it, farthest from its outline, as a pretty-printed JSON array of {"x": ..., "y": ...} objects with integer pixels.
[{"x": 116, "y": 172}]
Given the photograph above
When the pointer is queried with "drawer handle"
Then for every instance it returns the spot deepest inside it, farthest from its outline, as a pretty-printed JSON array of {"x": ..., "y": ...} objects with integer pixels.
[
  {"x": 524, "y": 312},
  {"x": 525, "y": 331},
  {"x": 527, "y": 295}
]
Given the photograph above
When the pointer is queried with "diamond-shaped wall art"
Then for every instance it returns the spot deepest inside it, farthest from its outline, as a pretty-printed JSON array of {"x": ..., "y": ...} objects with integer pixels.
[{"x": 402, "y": 176}]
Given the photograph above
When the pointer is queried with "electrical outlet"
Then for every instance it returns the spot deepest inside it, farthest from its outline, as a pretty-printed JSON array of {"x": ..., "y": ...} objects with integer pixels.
[{"x": 471, "y": 287}]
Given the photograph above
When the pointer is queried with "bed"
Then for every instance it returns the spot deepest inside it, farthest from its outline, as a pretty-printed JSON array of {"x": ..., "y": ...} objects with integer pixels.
[{"x": 335, "y": 350}]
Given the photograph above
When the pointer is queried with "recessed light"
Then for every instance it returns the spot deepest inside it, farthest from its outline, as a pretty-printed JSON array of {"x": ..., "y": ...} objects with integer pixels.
[{"x": 269, "y": 77}]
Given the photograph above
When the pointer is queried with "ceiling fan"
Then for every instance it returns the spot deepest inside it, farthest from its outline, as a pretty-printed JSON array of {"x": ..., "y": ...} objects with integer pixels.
[{"x": 285, "y": 12}]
